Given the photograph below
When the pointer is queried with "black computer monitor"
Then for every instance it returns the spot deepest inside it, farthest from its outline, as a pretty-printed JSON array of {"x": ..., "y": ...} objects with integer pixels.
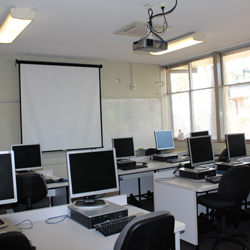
[
  {"x": 8, "y": 189},
  {"x": 236, "y": 145},
  {"x": 164, "y": 139},
  {"x": 200, "y": 150},
  {"x": 92, "y": 173},
  {"x": 124, "y": 147},
  {"x": 199, "y": 133},
  {"x": 27, "y": 157},
  {"x": 8, "y": 192}
]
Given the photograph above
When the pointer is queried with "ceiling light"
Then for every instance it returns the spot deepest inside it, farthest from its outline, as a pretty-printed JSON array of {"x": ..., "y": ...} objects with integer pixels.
[
  {"x": 182, "y": 42},
  {"x": 15, "y": 22}
]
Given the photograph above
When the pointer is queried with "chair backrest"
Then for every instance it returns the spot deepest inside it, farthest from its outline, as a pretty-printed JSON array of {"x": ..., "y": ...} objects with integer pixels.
[
  {"x": 235, "y": 183},
  {"x": 148, "y": 232},
  {"x": 14, "y": 241},
  {"x": 31, "y": 188}
]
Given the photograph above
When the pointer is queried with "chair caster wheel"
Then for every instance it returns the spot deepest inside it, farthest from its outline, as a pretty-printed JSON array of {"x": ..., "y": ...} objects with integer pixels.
[{"x": 245, "y": 238}]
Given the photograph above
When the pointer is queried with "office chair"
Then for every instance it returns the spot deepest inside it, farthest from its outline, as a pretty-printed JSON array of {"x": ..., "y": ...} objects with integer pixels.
[
  {"x": 148, "y": 232},
  {"x": 15, "y": 240},
  {"x": 234, "y": 186},
  {"x": 31, "y": 192}
]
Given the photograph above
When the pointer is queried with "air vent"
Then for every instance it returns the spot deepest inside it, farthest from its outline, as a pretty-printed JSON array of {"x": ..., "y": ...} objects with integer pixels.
[{"x": 137, "y": 29}]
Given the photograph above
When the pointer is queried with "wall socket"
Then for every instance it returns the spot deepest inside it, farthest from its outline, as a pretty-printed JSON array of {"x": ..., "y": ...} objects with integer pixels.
[{"x": 133, "y": 86}]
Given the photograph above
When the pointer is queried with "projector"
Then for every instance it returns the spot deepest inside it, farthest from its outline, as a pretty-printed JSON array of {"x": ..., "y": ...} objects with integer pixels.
[{"x": 149, "y": 45}]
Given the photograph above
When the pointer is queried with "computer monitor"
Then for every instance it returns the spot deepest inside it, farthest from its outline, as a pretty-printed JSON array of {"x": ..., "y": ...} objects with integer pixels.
[
  {"x": 236, "y": 145},
  {"x": 200, "y": 150},
  {"x": 92, "y": 173},
  {"x": 124, "y": 147},
  {"x": 199, "y": 133},
  {"x": 164, "y": 139},
  {"x": 27, "y": 157},
  {"x": 8, "y": 189}
]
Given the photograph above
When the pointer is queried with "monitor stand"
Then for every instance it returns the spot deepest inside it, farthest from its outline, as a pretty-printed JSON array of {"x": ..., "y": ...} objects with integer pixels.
[{"x": 90, "y": 203}]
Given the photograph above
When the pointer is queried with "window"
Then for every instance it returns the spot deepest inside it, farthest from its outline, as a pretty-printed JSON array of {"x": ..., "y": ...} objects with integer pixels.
[
  {"x": 192, "y": 92},
  {"x": 236, "y": 91}
]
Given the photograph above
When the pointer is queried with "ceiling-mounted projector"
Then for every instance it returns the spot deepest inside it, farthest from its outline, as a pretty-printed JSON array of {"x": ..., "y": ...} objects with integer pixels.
[{"x": 149, "y": 45}]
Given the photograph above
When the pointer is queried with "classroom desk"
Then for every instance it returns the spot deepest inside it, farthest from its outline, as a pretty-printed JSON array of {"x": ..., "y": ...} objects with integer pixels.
[
  {"x": 70, "y": 234},
  {"x": 58, "y": 191},
  {"x": 178, "y": 195},
  {"x": 153, "y": 167}
]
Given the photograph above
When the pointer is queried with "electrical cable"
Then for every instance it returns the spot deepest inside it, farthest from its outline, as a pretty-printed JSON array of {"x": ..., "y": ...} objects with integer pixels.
[
  {"x": 56, "y": 222},
  {"x": 165, "y": 23},
  {"x": 21, "y": 228}
]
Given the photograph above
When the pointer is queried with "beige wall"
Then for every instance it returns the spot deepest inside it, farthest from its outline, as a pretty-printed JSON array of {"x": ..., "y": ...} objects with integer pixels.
[{"x": 143, "y": 76}]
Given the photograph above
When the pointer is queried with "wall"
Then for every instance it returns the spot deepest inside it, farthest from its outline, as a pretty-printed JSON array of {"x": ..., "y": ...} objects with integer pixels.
[{"x": 116, "y": 81}]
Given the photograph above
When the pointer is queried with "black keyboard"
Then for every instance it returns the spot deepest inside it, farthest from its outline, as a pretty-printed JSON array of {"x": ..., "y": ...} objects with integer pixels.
[
  {"x": 113, "y": 226},
  {"x": 214, "y": 179},
  {"x": 133, "y": 167},
  {"x": 48, "y": 181}
]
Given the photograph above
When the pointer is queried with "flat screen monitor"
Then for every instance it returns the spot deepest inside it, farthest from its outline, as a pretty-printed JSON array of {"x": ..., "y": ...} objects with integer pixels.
[
  {"x": 124, "y": 147},
  {"x": 164, "y": 139},
  {"x": 92, "y": 173},
  {"x": 199, "y": 133},
  {"x": 8, "y": 190},
  {"x": 236, "y": 145},
  {"x": 27, "y": 157},
  {"x": 200, "y": 150}
]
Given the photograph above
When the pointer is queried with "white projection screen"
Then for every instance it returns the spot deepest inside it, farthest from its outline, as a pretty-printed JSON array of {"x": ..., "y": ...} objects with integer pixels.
[{"x": 60, "y": 105}]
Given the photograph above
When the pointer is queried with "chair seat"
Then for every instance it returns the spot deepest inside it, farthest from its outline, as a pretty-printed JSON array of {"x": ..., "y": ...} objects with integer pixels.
[{"x": 214, "y": 201}]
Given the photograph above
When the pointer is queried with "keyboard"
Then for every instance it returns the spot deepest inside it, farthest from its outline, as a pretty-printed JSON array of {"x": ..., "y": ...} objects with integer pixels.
[
  {"x": 133, "y": 167},
  {"x": 114, "y": 226},
  {"x": 214, "y": 179},
  {"x": 48, "y": 181}
]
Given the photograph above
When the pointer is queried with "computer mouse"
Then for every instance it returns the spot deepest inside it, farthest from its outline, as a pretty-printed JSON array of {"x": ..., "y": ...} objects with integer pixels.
[{"x": 61, "y": 180}]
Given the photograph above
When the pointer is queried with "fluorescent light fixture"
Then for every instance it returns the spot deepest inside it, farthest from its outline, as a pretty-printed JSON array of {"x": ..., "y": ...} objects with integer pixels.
[
  {"x": 182, "y": 42},
  {"x": 15, "y": 22}
]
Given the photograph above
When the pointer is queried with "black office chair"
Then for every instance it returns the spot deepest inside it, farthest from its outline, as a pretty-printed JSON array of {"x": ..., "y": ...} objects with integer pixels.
[
  {"x": 234, "y": 186},
  {"x": 31, "y": 192},
  {"x": 15, "y": 241},
  {"x": 148, "y": 232}
]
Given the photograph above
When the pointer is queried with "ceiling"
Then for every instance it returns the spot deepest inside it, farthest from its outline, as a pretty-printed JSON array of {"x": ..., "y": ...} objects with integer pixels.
[{"x": 85, "y": 29}]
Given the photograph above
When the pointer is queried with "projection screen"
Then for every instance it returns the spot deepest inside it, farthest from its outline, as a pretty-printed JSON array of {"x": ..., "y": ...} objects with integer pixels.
[{"x": 60, "y": 105}]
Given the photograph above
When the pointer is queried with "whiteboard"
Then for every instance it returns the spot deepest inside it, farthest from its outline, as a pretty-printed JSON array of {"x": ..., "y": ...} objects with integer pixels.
[{"x": 131, "y": 117}]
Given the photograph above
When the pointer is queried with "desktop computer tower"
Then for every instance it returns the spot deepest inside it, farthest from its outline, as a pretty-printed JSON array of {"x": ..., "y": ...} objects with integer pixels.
[
  {"x": 164, "y": 157},
  {"x": 125, "y": 163},
  {"x": 196, "y": 174},
  {"x": 89, "y": 217}
]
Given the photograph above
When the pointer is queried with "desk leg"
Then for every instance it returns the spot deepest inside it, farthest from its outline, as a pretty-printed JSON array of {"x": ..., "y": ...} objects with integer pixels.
[
  {"x": 139, "y": 188},
  {"x": 177, "y": 241}
]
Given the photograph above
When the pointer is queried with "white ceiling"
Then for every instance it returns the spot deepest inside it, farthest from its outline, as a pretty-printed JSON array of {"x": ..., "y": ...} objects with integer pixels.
[{"x": 84, "y": 29}]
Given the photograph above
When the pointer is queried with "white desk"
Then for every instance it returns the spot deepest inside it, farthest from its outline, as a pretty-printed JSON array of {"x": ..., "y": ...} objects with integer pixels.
[
  {"x": 58, "y": 191},
  {"x": 128, "y": 175},
  {"x": 178, "y": 196},
  {"x": 153, "y": 166},
  {"x": 70, "y": 234}
]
